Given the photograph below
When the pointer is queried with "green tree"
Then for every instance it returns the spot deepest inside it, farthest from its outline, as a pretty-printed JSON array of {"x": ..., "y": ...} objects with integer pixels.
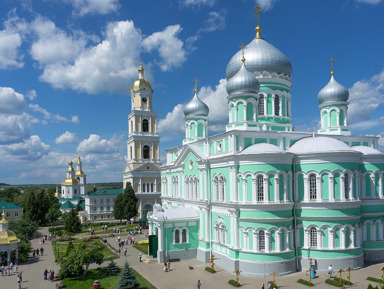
[
  {"x": 112, "y": 269},
  {"x": 72, "y": 222},
  {"x": 53, "y": 213},
  {"x": 24, "y": 228},
  {"x": 126, "y": 204},
  {"x": 89, "y": 255},
  {"x": 127, "y": 279}
]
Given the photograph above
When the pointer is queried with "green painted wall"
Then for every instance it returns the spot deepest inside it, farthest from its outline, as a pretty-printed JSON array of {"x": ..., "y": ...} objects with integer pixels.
[
  {"x": 249, "y": 111},
  {"x": 337, "y": 186},
  {"x": 333, "y": 117},
  {"x": 240, "y": 112},
  {"x": 271, "y": 186},
  {"x": 325, "y": 186}
]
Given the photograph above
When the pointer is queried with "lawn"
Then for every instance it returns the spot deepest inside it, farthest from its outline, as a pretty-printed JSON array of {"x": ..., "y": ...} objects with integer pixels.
[
  {"x": 62, "y": 246},
  {"x": 107, "y": 282}
]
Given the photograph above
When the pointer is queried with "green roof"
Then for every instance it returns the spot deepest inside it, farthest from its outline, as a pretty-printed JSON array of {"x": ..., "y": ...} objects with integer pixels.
[
  {"x": 107, "y": 192},
  {"x": 82, "y": 204},
  {"x": 9, "y": 206},
  {"x": 67, "y": 205},
  {"x": 74, "y": 198}
]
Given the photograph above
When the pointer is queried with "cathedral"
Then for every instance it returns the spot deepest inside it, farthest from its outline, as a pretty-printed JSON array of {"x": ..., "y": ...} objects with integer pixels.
[{"x": 262, "y": 197}]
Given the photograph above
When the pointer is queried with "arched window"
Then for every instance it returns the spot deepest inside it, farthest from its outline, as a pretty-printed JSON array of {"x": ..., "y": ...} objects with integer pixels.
[
  {"x": 313, "y": 236},
  {"x": 145, "y": 125},
  {"x": 131, "y": 126},
  {"x": 176, "y": 236},
  {"x": 194, "y": 188},
  {"x": 146, "y": 151},
  {"x": 75, "y": 191},
  {"x": 260, "y": 188},
  {"x": 216, "y": 188},
  {"x": 261, "y": 240},
  {"x": 312, "y": 187},
  {"x": 261, "y": 104},
  {"x": 222, "y": 188},
  {"x": 223, "y": 233},
  {"x": 184, "y": 236},
  {"x": 277, "y": 105},
  {"x": 175, "y": 186},
  {"x": 346, "y": 186},
  {"x": 220, "y": 233}
]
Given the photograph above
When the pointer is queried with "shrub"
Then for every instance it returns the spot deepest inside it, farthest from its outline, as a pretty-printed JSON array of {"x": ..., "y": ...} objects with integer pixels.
[
  {"x": 112, "y": 269},
  {"x": 335, "y": 282},
  {"x": 375, "y": 280},
  {"x": 234, "y": 283},
  {"x": 305, "y": 282},
  {"x": 210, "y": 270}
]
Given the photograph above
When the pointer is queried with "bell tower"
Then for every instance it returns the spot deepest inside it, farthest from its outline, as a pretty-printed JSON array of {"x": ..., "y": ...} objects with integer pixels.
[{"x": 143, "y": 160}]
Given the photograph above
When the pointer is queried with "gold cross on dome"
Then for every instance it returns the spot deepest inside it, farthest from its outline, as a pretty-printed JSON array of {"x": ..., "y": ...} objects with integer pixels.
[
  {"x": 258, "y": 11},
  {"x": 195, "y": 81},
  {"x": 332, "y": 61},
  {"x": 242, "y": 51}
]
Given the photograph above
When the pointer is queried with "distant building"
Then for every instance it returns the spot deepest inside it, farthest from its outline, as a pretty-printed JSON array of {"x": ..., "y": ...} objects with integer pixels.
[
  {"x": 9, "y": 243},
  {"x": 12, "y": 212}
]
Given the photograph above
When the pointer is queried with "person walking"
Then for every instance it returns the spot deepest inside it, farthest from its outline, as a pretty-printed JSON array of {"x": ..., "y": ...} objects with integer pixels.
[
  {"x": 18, "y": 285},
  {"x": 125, "y": 251},
  {"x": 330, "y": 271},
  {"x": 41, "y": 251},
  {"x": 169, "y": 266},
  {"x": 198, "y": 284},
  {"x": 140, "y": 255}
]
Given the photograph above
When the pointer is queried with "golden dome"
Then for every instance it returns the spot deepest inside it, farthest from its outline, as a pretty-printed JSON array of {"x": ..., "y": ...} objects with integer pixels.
[
  {"x": 70, "y": 182},
  {"x": 8, "y": 237},
  {"x": 139, "y": 83},
  {"x": 79, "y": 173}
]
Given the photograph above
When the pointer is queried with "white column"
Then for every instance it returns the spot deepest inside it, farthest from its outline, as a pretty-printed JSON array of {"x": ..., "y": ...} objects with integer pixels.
[
  {"x": 267, "y": 242},
  {"x": 256, "y": 242},
  {"x": 331, "y": 239},
  {"x": 318, "y": 188},
  {"x": 273, "y": 104},
  {"x": 285, "y": 180},
  {"x": 246, "y": 240},
  {"x": 254, "y": 190},
  {"x": 235, "y": 228},
  {"x": 207, "y": 223},
  {"x": 286, "y": 239},
  {"x": 342, "y": 187},
  {"x": 352, "y": 239},
  {"x": 141, "y": 151},
  {"x": 320, "y": 239},
  {"x": 266, "y": 189},
  {"x": 331, "y": 188},
  {"x": 373, "y": 195},
  {"x": 342, "y": 238},
  {"x": 351, "y": 192},
  {"x": 141, "y": 186},
  {"x": 244, "y": 190},
  {"x": 381, "y": 186},
  {"x": 277, "y": 189},
  {"x": 141, "y": 209},
  {"x": 306, "y": 238},
  {"x": 160, "y": 240},
  {"x": 278, "y": 241},
  {"x": 306, "y": 189}
]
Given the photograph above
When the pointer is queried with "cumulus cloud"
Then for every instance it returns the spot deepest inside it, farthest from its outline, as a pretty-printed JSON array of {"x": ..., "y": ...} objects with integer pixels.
[
  {"x": 365, "y": 97},
  {"x": 95, "y": 145},
  {"x": 170, "y": 48},
  {"x": 11, "y": 101},
  {"x": 215, "y": 98},
  {"x": 102, "y": 7},
  {"x": 373, "y": 2},
  {"x": 66, "y": 138},
  {"x": 29, "y": 149},
  {"x": 266, "y": 4},
  {"x": 52, "y": 117},
  {"x": 31, "y": 94}
]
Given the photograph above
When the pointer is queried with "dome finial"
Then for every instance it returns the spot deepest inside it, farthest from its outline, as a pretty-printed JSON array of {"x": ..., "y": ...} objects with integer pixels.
[
  {"x": 242, "y": 51},
  {"x": 332, "y": 61},
  {"x": 3, "y": 215},
  {"x": 141, "y": 69},
  {"x": 258, "y": 11},
  {"x": 195, "y": 81}
]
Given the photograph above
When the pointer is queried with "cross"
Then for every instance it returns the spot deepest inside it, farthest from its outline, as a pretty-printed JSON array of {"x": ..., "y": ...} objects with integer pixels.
[
  {"x": 258, "y": 12},
  {"x": 309, "y": 271},
  {"x": 382, "y": 269},
  {"x": 340, "y": 271},
  {"x": 242, "y": 51},
  {"x": 195, "y": 81},
  {"x": 349, "y": 273},
  {"x": 237, "y": 271},
  {"x": 274, "y": 277},
  {"x": 332, "y": 61},
  {"x": 213, "y": 261}
]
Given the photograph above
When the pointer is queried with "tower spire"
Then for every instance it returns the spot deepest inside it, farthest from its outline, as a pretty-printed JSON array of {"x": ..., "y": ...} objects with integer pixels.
[
  {"x": 195, "y": 81},
  {"x": 332, "y": 61},
  {"x": 258, "y": 11},
  {"x": 141, "y": 69},
  {"x": 242, "y": 52}
]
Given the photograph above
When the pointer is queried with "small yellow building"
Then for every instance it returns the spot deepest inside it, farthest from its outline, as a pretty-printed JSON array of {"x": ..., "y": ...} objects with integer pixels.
[{"x": 13, "y": 212}]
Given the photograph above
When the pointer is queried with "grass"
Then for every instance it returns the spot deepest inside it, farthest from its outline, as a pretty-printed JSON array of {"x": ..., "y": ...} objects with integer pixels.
[
  {"x": 375, "y": 280},
  {"x": 234, "y": 283},
  {"x": 335, "y": 282},
  {"x": 210, "y": 270},
  {"x": 106, "y": 281},
  {"x": 305, "y": 282},
  {"x": 99, "y": 230}
]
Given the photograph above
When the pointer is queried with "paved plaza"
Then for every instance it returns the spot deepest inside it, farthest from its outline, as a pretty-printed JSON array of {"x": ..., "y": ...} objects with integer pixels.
[{"x": 180, "y": 276}]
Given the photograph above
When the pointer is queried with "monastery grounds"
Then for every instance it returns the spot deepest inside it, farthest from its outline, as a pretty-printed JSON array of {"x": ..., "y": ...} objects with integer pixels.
[{"x": 180, "y": 276}]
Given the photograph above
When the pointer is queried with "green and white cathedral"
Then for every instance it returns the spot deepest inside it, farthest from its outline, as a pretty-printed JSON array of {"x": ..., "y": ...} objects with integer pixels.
[{"x": 262, "y": 197}]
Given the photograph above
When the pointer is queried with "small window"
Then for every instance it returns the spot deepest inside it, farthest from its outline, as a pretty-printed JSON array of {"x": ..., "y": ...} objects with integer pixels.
[
  {"x": 102, "y": 217},
  {"x": 184, "y": 236},
  {"x": 177, "y": 236},
  {"x": 95, "y": 217},
  {"x": 312, "y": 187},
  {"x": 16, "y": 214},
  {"x": 8, "y": 214},
  {"x": 277, "y": 105},
  {"x": 313, "y": 234},
  {"x": 146, "y": 150},
  {"x": 101, "y": 201},
  {"x": 261, "y": 241},
  {"x": 261, "y": 104},
  {"x": 145, "y": 125},
  {"x": 260, "y": 188},
  {"x": 346, "y": 186}
]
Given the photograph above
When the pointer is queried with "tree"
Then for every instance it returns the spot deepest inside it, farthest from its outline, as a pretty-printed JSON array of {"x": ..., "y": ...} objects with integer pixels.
[
  {"x": 72, "y": 222},
  {"x": 127, "y": 279},
  {"x": 112, "y": 269},
  {"x": 53, "y": 214},
  {"x": 126, "y": 204}
]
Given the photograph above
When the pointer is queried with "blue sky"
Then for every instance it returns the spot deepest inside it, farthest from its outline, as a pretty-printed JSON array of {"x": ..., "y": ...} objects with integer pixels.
[{"x": 66, "y": 67}]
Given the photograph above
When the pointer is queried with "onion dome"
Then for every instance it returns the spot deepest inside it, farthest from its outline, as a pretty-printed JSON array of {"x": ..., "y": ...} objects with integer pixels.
[
  {"x": 243, "y": 82},
  {"x": 262, "y": 148},
  {"x": 6, "y": 237},
  {"x": 70, "y": 168},
  {"x": 333, "y": 92},
  {"x": 261, "y": 56},
  {"x": 313, "y": 145},
  {"x": 141, "y": 81},
  {"x": 196, "y": 107}
]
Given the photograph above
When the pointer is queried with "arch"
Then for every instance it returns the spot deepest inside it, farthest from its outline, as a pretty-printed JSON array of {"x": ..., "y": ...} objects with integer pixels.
[
  {"x": 333, "y": 117},
  {"x": 145, "y": 125},
  {"x": 146, "y": 152},
  {"x": 200, "y": 129},
  {"x": 176, "y": 236},
  {"x": 313, "y": 237},
  {"x": 341, "y": 117},
  {"x": 325, "y": 118},
  {"x": 261, "y": 234},
  {"x": 260, "y": 188}
]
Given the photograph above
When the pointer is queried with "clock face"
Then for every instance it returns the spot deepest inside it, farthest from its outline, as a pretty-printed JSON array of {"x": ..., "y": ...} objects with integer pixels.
[{"x": 144, "y": 99}]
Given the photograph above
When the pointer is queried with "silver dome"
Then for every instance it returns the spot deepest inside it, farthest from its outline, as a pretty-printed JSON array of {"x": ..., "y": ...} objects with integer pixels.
[
  {"x": 196, "y": 107},
  {"x": 261, "y": 56},
  {"x": 333, "y": 91},
  {"x": 243, "y": 82}
]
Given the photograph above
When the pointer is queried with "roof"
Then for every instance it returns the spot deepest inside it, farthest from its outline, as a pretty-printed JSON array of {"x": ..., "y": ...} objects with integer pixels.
[
  {"x": 312, "y": 145},
  {"x": 107, "y": 192},
  {"x": 175, "y": 214},
  {"x": 82, "y": 204},
  {"x": 67, "y": 205},
  {"x": 10, "y": 206},
  {"x": 367, "y": 150},
  {"x": 262, "y": 148}
]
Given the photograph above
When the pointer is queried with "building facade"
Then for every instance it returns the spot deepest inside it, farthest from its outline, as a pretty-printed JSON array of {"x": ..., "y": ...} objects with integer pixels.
[
  {"x": 262, "y": 197},
  {"x": 13, "y": 212},
  {"x": 143, "y": 161}
]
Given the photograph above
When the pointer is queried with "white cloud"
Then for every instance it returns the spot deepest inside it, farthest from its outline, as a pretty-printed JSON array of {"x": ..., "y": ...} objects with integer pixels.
[
  {"x": 31, "y": 94},
  {"x": 13, "y": 128},
  {"x": 83, "y": 7},
  {"x": 29, "y": 149},
  {"x": 54, "y": 45},
  {"x": 66, "y": 138},
  {"x": 170, "y": 48},
  {"x": 11, "y": 101},
  {"x": 373, "y": 2},
  {"x": 365, "y": 97},
  {"x": 198, "y": 2},
  {"x": 266, "y": 4},
  {"x": 53, "y": 117},
  {"x": 216, "y": 99},
  {"x": 95, "y": 145}
]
